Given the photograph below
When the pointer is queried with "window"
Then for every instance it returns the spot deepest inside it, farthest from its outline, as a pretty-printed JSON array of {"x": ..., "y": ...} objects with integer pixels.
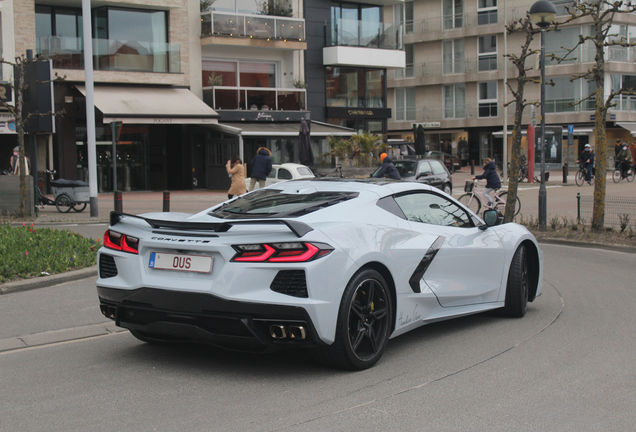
[
  {"x": 356, "y": 24},
  {"x": 247, "y": 78},
  {"x": 284, "y": 174},
  {"x": 409, "y": 17},
  {"x": 487, "y": 12},
  {"x": 432, "y": 209},
  {"x": 488, "y": 99},
  {"x": 560, "y": 41},
  {"x": 438, "y": 168},
  {"x": 624, "y": 102},
  {"x": 453, "y": 56},
  {"x": 405, "y": 107},
  {"x": 625, "y": 34},
  {"x": 424, "y": 169},
  {"x": 488, "y": 53},
  {"x": 453, "y": 11},
  {"x": 455, "y": 101},
  {"x": 356, "y": 87},
  {"x": 562, "y": 94}
]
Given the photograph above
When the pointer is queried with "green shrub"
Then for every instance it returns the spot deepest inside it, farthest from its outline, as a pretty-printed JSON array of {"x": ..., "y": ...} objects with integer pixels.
[{"x": 27, "y": 252}]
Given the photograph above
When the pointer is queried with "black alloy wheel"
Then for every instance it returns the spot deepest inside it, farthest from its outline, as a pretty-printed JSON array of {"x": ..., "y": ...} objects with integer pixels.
[{"x": 364, "y": 323}]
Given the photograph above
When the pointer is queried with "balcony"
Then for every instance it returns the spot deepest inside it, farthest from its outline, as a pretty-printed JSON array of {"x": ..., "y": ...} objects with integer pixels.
[
  {"x": 112, "y": 55},
  {"x": 438, "y": 69},
  {"x": 255, "y": 98},
  {"x": 228, "y": 28},
  {"x": 363, "y": 44}
]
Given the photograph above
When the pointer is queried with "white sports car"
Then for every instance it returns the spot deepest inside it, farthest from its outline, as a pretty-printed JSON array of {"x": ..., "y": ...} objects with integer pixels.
[{"x": 339, "y": 266}]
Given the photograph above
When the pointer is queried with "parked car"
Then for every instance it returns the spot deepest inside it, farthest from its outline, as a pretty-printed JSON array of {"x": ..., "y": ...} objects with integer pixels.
[
  {"x": 427, "y": 171},
  {"x": 339, "y": 266},
  {"x": 286, "y": 171},
  {"x": 448, "y": 159}
]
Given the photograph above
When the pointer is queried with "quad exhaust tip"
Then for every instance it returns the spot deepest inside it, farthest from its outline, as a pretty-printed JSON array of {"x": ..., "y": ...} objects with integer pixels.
[{"x": 293, "y": 332}]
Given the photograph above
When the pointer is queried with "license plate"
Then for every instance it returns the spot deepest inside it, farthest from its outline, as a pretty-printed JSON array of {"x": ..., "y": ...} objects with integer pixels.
[{"x": 190, "y": 263}]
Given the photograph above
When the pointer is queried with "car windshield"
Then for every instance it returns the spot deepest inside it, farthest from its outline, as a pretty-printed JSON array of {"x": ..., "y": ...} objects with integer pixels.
[{"x": 276, "y": 203}]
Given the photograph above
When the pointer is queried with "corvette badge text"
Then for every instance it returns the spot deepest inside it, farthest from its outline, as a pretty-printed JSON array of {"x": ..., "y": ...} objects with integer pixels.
[{"x": 168, "y": 239}]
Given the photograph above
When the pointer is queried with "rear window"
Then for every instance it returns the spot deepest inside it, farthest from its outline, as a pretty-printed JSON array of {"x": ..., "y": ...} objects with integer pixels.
[
  {"x": 304, "y": 171},
  {"x": 275, "y": 203}
]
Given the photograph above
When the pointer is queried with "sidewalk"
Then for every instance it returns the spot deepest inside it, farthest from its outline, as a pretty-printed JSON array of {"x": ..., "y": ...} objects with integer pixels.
[{"x": 194, "y": 201}]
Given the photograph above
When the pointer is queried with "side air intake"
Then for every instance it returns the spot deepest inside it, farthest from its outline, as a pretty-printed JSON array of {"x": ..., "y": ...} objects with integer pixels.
[
  {"x": 107, "y": 266},
  {"x": 290, "y": 282}
]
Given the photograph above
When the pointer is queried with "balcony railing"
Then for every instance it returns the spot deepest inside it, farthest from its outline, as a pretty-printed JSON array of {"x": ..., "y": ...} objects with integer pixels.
[
  {"x": 113, "y": 55},
  {"x": 252, "y": 26},
  {"x": 457, "y": 112},
  {"x": 568, "y": 105},
  {"x": 433, "y": 69},
  {"x": 457, "y": 21},
  {"x": 624, "y": 103},
  {"x": 255, "y": 98},
  {"x": 369, "y": 34}
]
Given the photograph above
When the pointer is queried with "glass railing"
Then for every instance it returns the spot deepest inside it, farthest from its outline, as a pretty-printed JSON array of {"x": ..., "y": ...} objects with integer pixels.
[
  {"x": 255, "y": 98},
  {"x": 624, "y": 103},
  {"x": 432, "y": 69},
  {"x": 115, "y": 55},
  {"x": 370, "y": 34},
  {"x": 582, "y": 54},
  {"x": 252, "y": 26},
  {"x": 456, "y": 112}
]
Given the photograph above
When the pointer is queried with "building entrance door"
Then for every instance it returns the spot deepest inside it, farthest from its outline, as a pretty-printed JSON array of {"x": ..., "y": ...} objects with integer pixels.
[{"x": 218, "y": 152}]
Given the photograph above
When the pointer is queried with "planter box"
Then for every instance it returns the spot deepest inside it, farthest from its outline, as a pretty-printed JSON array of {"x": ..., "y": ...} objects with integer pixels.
[{"x": 10, "y": 194}]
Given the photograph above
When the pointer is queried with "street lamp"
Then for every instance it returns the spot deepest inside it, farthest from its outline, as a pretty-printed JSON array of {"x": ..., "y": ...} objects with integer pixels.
[{"x": 542, "y": 13}]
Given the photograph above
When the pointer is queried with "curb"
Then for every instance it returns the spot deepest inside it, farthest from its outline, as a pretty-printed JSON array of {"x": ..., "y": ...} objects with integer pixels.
[
  {"x": 615, "y": 248},
  {"x": 43, "y": 282}
]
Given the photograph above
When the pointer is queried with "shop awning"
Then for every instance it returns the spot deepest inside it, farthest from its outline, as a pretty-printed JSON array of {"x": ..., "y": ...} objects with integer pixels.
[
  {"x": 269, "y": 129},
  {"x": 151, "y": 105},
  {"x": 631, "y": 127}
]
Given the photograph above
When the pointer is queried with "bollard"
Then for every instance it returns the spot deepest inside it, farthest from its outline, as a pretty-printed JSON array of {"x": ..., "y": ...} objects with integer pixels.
[
  {"x": 578, "y": 207},
  {"x": 472, "y": 167},
  {"x": 565, "y": 173},
  {"x": 166, "y": 201},
  {"x": 119, "y": 204}
]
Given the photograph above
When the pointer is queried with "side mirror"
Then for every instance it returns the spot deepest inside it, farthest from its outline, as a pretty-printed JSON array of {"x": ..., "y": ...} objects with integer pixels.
[{"x": 491, "y": 217}]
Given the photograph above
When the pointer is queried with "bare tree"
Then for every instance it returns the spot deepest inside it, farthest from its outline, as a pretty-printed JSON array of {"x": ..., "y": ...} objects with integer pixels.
[
  {"x": 602, "y": 15},
  {"x": 519, "y": 62},
  {"x": 22, "y": 119}
]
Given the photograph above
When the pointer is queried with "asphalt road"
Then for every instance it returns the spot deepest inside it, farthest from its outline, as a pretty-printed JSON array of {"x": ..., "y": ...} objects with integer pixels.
[{"x": 566, "y": 366}]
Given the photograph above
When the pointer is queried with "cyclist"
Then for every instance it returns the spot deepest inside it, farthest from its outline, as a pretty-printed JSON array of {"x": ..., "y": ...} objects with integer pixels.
[
  {"x": 623, "y": 160},
  {"x": 492, "y": 179},
  {"x": 587, "y": 159}
]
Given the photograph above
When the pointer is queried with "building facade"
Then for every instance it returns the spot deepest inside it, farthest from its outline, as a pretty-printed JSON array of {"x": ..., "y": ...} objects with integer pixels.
[{"x": 455, "y": 80}]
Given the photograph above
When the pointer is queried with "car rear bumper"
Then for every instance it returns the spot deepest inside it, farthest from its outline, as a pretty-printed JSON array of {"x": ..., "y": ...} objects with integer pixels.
[{"x": 174, "y": 316}]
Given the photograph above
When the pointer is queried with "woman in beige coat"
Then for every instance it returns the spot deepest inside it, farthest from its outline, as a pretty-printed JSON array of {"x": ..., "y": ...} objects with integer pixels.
[{"x": 234, "y": 168}]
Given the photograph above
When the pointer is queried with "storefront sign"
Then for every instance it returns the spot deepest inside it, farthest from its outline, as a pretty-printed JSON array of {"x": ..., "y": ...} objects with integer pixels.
[
  {"x": 376, "y": 113},
  {"x": 7, "y": 124},
  {"x": 431, "y": 124},
  {"x": 6, "y": 92},
  {"x": 262, "y": 116}
]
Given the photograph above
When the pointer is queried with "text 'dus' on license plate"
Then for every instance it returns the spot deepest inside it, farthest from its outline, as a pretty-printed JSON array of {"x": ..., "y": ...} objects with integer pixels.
[{"x": 191, "y": 263}]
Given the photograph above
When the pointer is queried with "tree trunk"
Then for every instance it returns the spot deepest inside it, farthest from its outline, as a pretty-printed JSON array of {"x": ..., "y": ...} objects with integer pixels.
[
  {"x": 513, "y": 175},
  {"x": 598, "y": 215}
]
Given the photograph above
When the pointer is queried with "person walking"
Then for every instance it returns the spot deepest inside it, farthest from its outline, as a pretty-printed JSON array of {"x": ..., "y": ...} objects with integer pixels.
[
  {"x": 388, "y": 169},
  {"x": 261, "y": 167},
  {"x": 587, "y": 159},
  {"x": 15, "y": 162},
  {"x": 492, "y": 179},
  {"x": 236, "y": 171}
]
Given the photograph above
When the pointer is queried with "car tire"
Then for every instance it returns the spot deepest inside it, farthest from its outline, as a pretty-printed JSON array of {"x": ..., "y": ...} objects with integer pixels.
[
  {"x": 448, "y": 189},
  {"x": 518, "y": 285},
  {"x": 150, "y": 339},
  {"x": 364, "y": 324}
]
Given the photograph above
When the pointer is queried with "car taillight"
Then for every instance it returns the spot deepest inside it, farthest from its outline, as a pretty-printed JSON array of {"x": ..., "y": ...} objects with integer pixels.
[
  {"x": 281, "y": 252},
  {"x": 121, "y": 242}
]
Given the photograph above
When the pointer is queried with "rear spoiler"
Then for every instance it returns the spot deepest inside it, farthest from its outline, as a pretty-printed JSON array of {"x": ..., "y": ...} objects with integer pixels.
[{"x": 297, "y": 227}]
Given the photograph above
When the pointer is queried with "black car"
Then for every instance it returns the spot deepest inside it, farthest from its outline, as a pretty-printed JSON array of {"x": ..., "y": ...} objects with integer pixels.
[{"x": 428, "y": 171}]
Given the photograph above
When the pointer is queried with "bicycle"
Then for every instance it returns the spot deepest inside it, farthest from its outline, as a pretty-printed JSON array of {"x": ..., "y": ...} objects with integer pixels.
[
  {"x": 523, "y": 169},
  {"x": 581, "y": 175},
  {"x": 68, "y": 195},
  {"x": 474, "y": 199},
  {"x": 617, "y": 176}
]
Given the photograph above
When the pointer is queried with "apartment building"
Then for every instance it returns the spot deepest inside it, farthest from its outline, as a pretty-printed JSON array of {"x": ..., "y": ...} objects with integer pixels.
[
  {"x": 454, "y": 83},
  {"x": 351, "y": 47}
]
